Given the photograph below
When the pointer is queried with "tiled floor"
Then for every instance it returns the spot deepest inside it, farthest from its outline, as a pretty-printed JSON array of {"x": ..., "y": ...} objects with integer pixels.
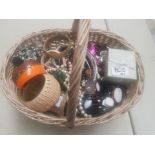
[
  {"x": 140, "y": 120},
  {"x": 151, "y": 25}
]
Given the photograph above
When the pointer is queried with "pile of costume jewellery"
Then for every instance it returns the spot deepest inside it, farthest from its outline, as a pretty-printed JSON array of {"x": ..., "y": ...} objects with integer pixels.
[{"x": 42, "y": 67}]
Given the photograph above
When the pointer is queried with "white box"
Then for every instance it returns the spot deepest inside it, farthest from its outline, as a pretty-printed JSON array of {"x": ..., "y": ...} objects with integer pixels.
[{"x": 121, "y": 65}]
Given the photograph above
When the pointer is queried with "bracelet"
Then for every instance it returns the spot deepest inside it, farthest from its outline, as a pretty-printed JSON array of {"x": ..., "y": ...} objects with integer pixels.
[
  {"x": 56, "y": 54},
  {"x": 41, "y": 93},
  {"x": 92, "y": 64},
  {"x": 26, "y": 71},
  {"x": 60, "y": 50}
]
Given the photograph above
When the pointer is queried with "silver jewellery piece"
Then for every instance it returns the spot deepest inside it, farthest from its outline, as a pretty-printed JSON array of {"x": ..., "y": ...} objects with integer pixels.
[
  {"x": 54, "y": 63},
  {"x": 93, "y": 65}
]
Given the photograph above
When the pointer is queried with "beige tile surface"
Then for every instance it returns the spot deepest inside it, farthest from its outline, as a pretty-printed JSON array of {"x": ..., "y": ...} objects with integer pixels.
[
  {"x": 137, "y": 33},
  {"x": 13, "y": 122}
]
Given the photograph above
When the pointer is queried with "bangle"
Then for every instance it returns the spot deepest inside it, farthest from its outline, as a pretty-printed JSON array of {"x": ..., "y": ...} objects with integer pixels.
[
  {"x": 56, "y": 54},
  {"x": 41, "y": 93},
  {"x": 53, "y": 41},
  {"x": 90, "y": 61},
  {"x": 26, "y": 71},
  {"x": 58, "y": 51}
]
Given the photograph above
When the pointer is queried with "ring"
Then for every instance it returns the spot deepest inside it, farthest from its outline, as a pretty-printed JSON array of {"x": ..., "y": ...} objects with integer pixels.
[{"x": 26, "y": 71}]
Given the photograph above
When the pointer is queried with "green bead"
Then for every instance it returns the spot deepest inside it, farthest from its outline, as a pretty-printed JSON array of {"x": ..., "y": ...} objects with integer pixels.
[{"x": 60, "y": 76}]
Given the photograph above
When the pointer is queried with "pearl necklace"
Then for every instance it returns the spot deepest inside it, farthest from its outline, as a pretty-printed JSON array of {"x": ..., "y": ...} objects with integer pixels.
[
  {"x": 80, "y": 108},
  {"x": 66, "y": 69}
]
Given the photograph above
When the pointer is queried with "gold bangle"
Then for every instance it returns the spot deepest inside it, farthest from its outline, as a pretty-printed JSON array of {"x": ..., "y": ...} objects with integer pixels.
[{"x": 56, "y": 53}]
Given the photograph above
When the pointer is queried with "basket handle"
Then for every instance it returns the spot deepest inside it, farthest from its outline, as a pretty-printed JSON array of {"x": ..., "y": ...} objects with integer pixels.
[{"x": 80, "y": 32}]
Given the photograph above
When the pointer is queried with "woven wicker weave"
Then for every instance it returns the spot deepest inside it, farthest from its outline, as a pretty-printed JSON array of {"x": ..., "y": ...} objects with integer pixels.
[
  {"x": 47, "y": 97},
  {"x": 79, "y": 35}
]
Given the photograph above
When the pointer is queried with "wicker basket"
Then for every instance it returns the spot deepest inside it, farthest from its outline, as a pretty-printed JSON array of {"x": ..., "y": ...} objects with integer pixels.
[{"x": 80, "y": 34}]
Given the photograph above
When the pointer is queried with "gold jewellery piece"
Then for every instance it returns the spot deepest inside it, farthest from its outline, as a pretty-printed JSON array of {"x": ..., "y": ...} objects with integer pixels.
[{"x": 60, "y": 50}]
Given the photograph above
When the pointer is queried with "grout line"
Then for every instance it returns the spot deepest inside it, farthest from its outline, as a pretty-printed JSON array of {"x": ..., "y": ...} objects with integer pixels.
[
  {"x": 106, "y": 23},
  {"x": 129, "y": 113},
  {"x": 132, "y": 123}
]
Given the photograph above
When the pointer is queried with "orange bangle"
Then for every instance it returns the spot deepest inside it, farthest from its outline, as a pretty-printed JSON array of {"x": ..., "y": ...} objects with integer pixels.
[{"x": 26, "y": 72}]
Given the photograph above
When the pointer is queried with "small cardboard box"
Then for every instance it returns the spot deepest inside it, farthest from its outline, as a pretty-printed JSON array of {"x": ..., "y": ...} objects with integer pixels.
[{"x": 121, "y": 66}]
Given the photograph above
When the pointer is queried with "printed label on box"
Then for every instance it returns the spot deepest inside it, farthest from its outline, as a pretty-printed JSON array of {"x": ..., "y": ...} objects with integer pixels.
[{"x": 120, "y": 71}]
